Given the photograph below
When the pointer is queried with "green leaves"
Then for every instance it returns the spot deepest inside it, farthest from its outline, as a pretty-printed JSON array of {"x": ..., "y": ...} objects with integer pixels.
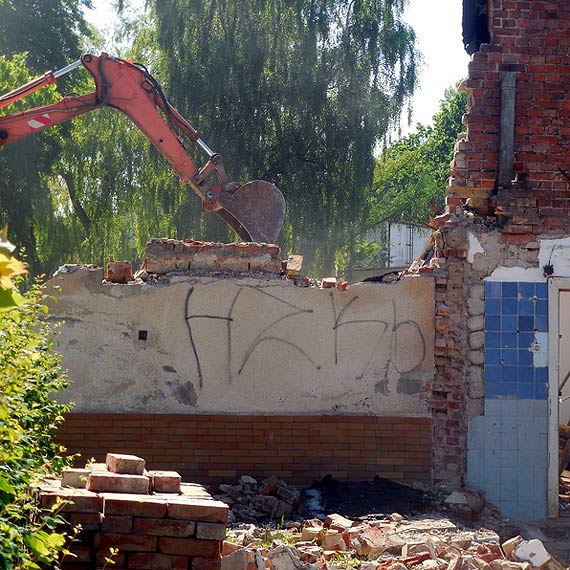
[
  {"x": 6, "y": 487},
  {"x": 411, "y": 175},
  {"x": 29, "y": 376},
  {"x": 296, "y": 93}
]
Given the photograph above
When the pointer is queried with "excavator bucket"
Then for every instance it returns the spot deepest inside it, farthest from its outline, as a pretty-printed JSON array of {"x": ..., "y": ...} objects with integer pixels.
[{"x": 255, "y": 211}]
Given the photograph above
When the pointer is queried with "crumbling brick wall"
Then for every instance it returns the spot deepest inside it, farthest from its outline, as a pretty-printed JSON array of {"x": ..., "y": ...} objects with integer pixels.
[{"x": 507, "y": 212}]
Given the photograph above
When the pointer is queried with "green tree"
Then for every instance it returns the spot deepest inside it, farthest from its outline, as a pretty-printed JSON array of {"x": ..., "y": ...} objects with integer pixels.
[
  {"x": 49, "y": 32},
  {"x": 34, "y": 37},
  {"x": 24, "y": 200},
  {"x": 411, "y": 175},
  {"x": 296, "y": 93}
]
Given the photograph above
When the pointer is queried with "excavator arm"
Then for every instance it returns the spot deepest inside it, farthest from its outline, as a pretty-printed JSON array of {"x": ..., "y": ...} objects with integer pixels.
[{"x": 255, "y": 210}]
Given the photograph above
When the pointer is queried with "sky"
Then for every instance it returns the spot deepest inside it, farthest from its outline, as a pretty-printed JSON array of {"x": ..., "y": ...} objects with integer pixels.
[{"x": 439, "y": 39}]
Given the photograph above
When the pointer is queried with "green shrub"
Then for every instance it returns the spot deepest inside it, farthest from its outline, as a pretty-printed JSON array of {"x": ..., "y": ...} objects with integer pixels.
[{"x": 29, "y": 376}]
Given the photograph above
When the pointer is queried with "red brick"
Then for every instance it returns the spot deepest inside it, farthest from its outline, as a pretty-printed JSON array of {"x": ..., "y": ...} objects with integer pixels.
[
  {"x": 155, "y": 561},
  {"x": 124, "y": 463},
  {"x": 165, "y": 481},
  {"x": 125, "y": 542},
  {"x": 76, "y": 501},
  {"x": 166, "y": 527},
  {"x": 118, "y": 483},
  {"x": 88, "y": 521},
  {"x": 190, "y": 547},
  {"x": 210, "y": 531},
  {"x": 206, "y": 563},
  {"x": 116, "y": 523},
  {"x": 197, "y": 509},
  {"x": 134, "y": 505}
]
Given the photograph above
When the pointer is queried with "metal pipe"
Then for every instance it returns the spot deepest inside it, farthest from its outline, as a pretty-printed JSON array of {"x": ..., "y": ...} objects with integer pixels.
[
  {"x": 205, "y": 147},
  {"x": 66, "y": 69}
]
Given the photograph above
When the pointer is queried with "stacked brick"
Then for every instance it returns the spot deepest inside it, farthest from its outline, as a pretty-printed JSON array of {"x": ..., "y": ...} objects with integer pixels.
[{"x": 171, "y": 526}]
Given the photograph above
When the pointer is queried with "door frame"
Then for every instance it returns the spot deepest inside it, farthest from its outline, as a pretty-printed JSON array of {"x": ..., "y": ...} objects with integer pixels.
[{"x": 555, "y": 285}]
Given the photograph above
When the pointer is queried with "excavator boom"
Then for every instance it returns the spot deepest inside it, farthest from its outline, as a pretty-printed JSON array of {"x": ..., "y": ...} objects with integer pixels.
[{"x": 255, "y": 210}]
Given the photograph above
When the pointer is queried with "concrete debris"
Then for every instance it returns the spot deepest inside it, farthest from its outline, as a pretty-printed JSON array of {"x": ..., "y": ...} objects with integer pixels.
[
  {"x": 244, "y": 559},
  {"x": 294, "y": 265},
  {"x": 251, "y": 501},
  {"x": 392, "y": 543},
  {"x": 465, "y": 503}
]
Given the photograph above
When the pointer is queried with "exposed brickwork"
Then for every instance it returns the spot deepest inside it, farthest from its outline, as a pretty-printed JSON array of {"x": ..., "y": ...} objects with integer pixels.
[
  {"x": 531, "y": 38},
  {"x": 300, "y": 449},
  {"x": 167, "y": 255},
  {"x": 445, "y": 395}
]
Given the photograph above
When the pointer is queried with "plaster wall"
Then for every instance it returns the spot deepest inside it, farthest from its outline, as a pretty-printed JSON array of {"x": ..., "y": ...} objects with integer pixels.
[
  {"x": 508, "y": 442},
  {"x": 205, "y": 345}
]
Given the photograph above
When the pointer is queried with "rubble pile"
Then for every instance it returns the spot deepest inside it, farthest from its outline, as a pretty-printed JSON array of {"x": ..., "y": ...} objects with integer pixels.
[
  {"x": 250, "y": 501},
  {"x": 393, "y": 543}
]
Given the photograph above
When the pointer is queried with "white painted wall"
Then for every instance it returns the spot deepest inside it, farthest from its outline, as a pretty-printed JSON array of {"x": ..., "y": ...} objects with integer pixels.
[
  {"x": 564, "y": 354},
  {"x": 249, "y": 346},
  {"x": 406, "y": 242}
]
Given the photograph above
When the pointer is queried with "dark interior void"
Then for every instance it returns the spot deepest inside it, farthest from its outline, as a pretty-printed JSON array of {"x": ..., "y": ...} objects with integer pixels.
[{"x": 475, "y": 25}]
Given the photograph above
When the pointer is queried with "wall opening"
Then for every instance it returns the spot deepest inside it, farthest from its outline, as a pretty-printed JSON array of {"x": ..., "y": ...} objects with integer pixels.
[
  {"x": 475, "y": 25},
  {"x": 559, "y": 399}
]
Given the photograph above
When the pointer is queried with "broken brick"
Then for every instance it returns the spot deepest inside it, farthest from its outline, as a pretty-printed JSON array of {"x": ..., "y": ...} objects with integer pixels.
[
  {"x": 118, "y": 483},
  {"x": 125, "y": 464}
]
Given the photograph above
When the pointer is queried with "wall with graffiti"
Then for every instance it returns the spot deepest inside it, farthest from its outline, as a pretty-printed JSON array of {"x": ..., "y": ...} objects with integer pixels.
[{"x": 203, "y": 345}]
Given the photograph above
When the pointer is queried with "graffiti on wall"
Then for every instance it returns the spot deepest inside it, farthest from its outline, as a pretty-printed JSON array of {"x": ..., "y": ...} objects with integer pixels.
[{"x": 392, "y": 342}]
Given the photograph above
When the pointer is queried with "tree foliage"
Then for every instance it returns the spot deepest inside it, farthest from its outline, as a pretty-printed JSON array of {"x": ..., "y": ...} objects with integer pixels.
[
  {"x": 49, "y": 32},
  {"x": 411, "y": 175},
  {"x": 34, "y": 37},
  {"x": 296, "y": 93},
  {"x": 25, "y": 203}
]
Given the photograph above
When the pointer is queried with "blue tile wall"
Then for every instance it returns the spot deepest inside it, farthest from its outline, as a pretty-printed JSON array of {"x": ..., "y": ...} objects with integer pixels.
[
  {"x": 514, "y": 314},
  {"x": 507, "y": 446},
  {"x": 507, "y": 456}
]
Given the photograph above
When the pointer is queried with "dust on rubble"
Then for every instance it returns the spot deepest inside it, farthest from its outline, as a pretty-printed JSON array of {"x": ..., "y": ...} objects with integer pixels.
[{"x": 431, "y": 532}]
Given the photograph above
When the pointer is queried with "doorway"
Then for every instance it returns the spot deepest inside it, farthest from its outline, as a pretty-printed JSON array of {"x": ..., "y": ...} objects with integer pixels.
[{"x": 559, "y": 398}]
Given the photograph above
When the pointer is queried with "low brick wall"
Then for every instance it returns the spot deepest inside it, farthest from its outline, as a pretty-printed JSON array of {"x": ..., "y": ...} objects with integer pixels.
[{"x": 301, "y": 449}]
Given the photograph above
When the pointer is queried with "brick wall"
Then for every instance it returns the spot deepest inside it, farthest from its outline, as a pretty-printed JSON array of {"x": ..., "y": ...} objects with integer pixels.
[
  {"x": 300, "y": 449},
  {"x": 532, "y": 39},
  {"x": 496, "y": 225}
]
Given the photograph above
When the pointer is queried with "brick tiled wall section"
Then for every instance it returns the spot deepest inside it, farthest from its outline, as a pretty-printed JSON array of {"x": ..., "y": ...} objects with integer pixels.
[
  {"x": 300, "y": 449},
  {"x": 530, "y": 38}
]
